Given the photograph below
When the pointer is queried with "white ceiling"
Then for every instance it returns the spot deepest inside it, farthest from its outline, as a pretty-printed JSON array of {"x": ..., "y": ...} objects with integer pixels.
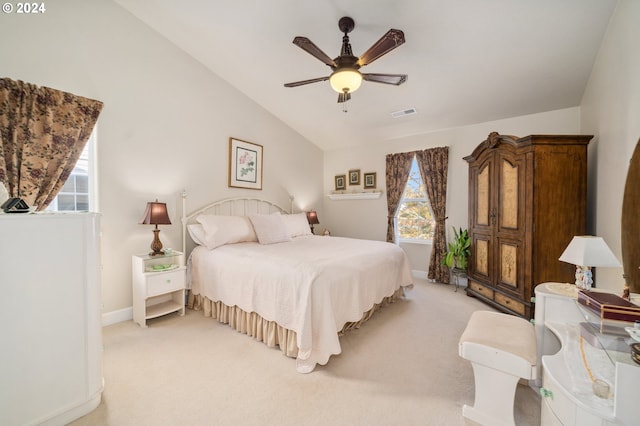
[{"x": 468, "y": 61}]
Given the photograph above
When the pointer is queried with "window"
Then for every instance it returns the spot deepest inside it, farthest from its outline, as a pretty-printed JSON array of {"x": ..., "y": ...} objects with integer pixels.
[
  {"x": 78, "y": 192},
  {"x": 414, "y": 221}
]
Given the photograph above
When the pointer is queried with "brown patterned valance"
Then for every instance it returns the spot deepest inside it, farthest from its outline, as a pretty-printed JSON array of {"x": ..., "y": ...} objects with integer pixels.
[{"x": 42, "y": 134}]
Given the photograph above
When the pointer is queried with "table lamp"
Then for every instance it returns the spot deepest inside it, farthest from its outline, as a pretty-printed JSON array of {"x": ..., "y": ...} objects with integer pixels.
[
  {"x": 156, "y": 214},
  {"x": 585, "y": 252},
  {"x": 312, "y": 218}
]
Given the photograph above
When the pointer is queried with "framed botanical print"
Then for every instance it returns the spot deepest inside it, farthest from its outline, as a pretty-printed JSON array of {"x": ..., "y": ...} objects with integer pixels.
[
  {"x": 245, "y": 164},
  {"x": 369, "y": 180},
  {"x": 354, "y": 177},
  {"x": 341, "y": 182}
]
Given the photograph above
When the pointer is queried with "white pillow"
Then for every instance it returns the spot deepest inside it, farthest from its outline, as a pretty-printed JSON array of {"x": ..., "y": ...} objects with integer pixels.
[
  {"x": 197, "y": 234},
  {"x": 297, "y": 224},
  {"x": 270, "y": 228},
  {"x": 220, "y": 230}
]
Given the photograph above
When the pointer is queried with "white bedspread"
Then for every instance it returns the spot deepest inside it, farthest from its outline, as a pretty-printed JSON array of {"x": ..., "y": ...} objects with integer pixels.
[{"x": 312, "y": 285}]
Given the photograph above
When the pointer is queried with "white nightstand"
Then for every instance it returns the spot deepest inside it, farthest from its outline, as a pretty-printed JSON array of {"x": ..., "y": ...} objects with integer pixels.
[{"x": 158, "y": 286}]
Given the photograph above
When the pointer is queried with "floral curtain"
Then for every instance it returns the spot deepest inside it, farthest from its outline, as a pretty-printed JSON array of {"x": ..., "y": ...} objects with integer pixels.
[
  {"x": 434, "y": 165},
  {"x": 397, "y": 173},
  {"x": 42, "y": 134}
]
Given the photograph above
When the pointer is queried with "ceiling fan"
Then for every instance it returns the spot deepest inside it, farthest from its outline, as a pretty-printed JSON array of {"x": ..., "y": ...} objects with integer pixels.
[{"x": 346, "y": 77}]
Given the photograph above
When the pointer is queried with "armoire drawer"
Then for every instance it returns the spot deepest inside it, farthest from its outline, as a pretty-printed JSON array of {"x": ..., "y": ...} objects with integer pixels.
[
  {"x": 483, "y": 290},
  {"x": 509, "y": 303}
]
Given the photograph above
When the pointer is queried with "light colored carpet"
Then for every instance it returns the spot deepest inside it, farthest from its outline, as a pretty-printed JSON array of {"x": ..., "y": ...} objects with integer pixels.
[{"x": 401, "y": 368}]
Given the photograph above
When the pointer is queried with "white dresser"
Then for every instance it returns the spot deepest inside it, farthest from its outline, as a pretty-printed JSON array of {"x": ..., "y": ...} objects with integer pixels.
[
  {"x": 51, "y": 357},
  {"x": 572, "y": 353}
]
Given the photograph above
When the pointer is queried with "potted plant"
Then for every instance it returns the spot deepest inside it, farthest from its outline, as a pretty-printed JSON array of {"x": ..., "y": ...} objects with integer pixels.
[{"x": 458, "y": 253}]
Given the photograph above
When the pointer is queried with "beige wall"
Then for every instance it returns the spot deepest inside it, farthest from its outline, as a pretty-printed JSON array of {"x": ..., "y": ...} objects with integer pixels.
[
  {"x": 164, "y": 128},
  {"x": 611, "y": 110},
  {"x": 367, "y": 218}
]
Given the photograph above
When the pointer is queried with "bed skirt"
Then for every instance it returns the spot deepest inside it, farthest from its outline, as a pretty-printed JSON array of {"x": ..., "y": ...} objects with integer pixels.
[{"x": 269, "y": 332}]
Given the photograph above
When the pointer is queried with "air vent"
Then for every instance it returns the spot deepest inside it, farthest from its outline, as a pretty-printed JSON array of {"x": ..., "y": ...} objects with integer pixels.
[{"x": 404, "y": 112}]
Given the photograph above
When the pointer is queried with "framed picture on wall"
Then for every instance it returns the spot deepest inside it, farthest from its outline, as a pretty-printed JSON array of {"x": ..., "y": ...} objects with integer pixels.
[
  {"x": 354, "y": 177},
  {"x": 341, "y": 182},
  {"x": 245, "y": 164},
  {"x": 369, "y": 180}
]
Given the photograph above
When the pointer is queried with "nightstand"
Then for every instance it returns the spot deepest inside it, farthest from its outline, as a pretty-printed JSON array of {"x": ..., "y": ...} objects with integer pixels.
[{"x": 158, "y": 286}]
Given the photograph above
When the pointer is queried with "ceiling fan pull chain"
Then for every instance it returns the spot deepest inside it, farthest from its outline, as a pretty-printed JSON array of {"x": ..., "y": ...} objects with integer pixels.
[{"x": 346, "y": 98}]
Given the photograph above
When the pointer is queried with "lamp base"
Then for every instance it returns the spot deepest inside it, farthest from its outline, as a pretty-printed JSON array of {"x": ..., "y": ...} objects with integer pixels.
[
  {"x": 156, "y": 244},
  {"x": 584, "y": 278}
]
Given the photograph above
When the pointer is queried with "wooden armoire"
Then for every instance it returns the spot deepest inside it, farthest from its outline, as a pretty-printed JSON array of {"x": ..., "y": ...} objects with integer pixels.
[{"x": 527, "y": 200}]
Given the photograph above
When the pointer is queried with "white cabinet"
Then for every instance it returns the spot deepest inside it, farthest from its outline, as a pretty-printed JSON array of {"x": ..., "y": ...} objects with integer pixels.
[
  {"x": 158, "y": 286},
  {"x": 51, "y": 357},
  {"x": 572, "y": 353}
]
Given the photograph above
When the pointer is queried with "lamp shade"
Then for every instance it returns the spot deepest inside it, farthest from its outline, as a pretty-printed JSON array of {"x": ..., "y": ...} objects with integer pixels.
[
  {"x": 155, "y": 214},
  {"x": 345, "y": 80},
  {"x": 588, "y": 250},
  {"x": 312, "y": 218}
]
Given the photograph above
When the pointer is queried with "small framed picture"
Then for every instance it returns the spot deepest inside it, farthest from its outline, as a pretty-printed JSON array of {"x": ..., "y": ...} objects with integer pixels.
[
  {"x": 354, "y": 177},
  {"x": 245, "y": 164},
  {"x": 341, "y": 182},
  {"x": 369, "y": 180}
]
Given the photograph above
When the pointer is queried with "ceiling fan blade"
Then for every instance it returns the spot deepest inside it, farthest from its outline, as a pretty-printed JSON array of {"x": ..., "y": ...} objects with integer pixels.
[
  {"x": 388, "y": 42},
  {"x": 303, "y": 82},
  {"x": 308, "y": 46},
  {"x": 395, "y": 79},
  {"x": 343, "y": 97}
]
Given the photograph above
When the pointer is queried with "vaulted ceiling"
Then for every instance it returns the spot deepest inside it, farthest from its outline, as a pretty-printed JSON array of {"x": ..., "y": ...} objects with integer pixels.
[{"x": 468, "y": 61}]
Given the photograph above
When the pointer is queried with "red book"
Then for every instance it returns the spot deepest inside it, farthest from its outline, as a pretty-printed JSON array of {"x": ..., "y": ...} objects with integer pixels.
[{"x": 609, "y": 306}]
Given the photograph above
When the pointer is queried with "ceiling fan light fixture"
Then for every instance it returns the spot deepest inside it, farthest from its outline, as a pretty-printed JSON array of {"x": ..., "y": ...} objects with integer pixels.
[{"x": 345, "y": 80}]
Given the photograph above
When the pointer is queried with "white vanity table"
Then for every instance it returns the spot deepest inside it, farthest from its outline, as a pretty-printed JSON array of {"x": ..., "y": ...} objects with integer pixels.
[{"x": 572, "y": 352}]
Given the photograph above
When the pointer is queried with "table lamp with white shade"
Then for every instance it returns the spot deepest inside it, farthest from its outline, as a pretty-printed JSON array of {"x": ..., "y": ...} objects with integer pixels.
[{"x": 587, "y": 251}]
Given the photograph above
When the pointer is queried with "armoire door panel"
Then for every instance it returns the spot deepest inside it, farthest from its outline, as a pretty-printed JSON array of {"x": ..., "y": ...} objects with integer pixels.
[
  {"x": 511, "y": 266},
  {"x": 510, "y": 184},
  {"x": 508, "y": 261},
  {"x": 483, "y": 196},
  {"x": 482, "y": 256},
  {"x": 509, "y": 195}
]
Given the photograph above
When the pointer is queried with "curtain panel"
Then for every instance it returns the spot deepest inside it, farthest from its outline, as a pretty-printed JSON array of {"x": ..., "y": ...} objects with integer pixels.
[
  {"x": 397, "y": 173},
  {"x": 434, "y": 165},
  {"x": 42, "y": 134}
]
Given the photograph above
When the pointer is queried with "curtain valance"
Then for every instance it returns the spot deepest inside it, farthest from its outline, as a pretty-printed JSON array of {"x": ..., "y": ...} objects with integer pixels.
[{"x": 42, "y": 134}]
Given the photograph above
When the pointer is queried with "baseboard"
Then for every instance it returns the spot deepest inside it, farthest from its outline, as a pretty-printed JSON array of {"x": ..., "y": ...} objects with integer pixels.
[
  {"x": 115, "y": 317},
  {"x": 422, "y": 275}
]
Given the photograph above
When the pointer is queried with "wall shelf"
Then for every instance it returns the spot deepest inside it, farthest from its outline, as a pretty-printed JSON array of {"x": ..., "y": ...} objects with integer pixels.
[{"x": 355, "y": 196}]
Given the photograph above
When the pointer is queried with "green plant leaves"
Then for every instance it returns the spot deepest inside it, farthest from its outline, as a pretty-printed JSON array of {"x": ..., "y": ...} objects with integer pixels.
[{"x": 459, "y": 251}]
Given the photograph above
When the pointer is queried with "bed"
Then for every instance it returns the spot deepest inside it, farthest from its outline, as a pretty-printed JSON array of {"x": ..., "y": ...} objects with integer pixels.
[{"x": 260, "y": 270}]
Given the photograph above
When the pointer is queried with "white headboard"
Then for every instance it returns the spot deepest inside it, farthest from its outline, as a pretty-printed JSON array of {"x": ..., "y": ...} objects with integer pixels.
[{"x": 226, "y": 207}]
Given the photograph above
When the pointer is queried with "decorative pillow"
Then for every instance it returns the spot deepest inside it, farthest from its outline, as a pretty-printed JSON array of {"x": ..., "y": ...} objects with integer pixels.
[
  {"x": 220, "y": 230},
  {"x": 270, "y": 228},
  {"x": 297, "y": 224},
  {"x": 197, "y": 234}
]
